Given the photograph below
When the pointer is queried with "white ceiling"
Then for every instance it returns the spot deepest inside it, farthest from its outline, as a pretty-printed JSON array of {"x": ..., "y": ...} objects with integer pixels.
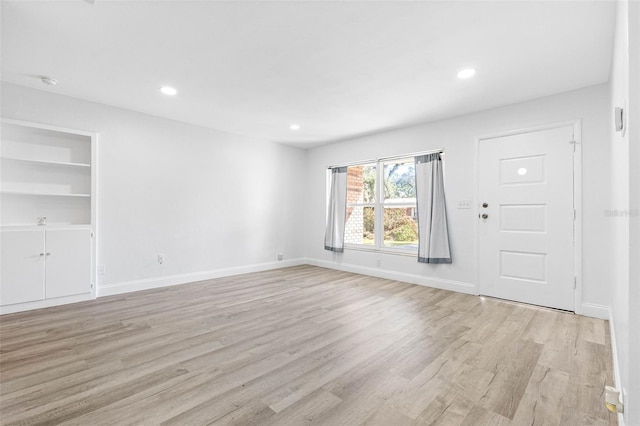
[{"x": 339, "y": 69}]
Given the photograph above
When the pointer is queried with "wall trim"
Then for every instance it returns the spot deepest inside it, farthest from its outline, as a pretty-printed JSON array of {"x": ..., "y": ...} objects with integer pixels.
[
  {"x": 168, "y": 280},
  {"x": 47, "y": 303},
  {"x": 444, "y": 284},
  {"x": 595, "y": 311},
  {"x": 616, "y": 366}
]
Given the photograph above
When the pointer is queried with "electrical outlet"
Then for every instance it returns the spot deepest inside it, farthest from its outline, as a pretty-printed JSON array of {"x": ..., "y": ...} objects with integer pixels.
[
  {"x": 101, "y": 269},
  {"x": 161, "y": 258},
  {"x": 465, "y": 204},
  {"x": 280, "y": 256}
]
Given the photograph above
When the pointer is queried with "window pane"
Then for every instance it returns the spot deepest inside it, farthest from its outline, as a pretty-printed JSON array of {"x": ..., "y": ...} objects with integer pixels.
[
  {"x": 361, "y": 182},
  {"x": 359, "y": 228},
  {"x": 401, "y": 228},
  {"x": 399, "y": 181}
]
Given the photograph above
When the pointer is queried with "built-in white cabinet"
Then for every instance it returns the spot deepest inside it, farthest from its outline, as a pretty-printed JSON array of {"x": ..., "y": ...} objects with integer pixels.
[
  {"x": 47, "y": 215},
  {"x": 22, "y": 272},
  {"x": 41, "y": 264}
]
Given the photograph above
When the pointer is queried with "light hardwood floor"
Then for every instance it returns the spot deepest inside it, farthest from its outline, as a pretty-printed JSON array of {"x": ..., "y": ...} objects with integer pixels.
[{"x": 302, "y": 345}]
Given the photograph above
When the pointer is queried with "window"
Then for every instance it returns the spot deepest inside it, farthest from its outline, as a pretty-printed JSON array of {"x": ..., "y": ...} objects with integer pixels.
[
  {"x": 400, "y": 219},
  {"x": 381, "y": 206},
  {"x": 361, "y": 200}
]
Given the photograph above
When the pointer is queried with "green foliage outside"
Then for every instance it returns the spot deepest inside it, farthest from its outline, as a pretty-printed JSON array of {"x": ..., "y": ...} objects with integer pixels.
[
  {"x": 398, "y": 227},
  {"x": 399, "y": 182},
  {"x": 369, "y": 184},
  {"x": 369, "y": 222}
]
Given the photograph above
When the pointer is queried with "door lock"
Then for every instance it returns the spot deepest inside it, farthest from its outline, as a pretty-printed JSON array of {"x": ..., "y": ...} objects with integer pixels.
[{"x": 485, "y": 205}]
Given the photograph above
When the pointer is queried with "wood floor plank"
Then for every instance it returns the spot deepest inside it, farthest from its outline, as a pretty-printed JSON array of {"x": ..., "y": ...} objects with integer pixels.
[
  {"x": 302, "y": 345},
  {"x": 511, "y": 378},
  {"x": 386, "y": 415},
  {"x": 540, "y": 327},
  {"x": 358, "y": 406},
  {"x": 478, "y": 416},
  {"x": 541, "y": 403},
  {"x": 307, "y": 411}
]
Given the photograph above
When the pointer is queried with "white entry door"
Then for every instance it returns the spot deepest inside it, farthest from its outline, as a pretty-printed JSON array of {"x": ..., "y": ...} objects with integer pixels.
[{"x": 526, "y": 242}]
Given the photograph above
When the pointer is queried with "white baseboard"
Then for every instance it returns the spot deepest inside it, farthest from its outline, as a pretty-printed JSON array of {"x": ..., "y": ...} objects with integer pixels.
[
  {"x": 145, "y": 284},
  {"x": 616, "y": 366},
  {"x": 459, "y": 286},
  {"x": 39, "y": 304},
  {"x": 595, "y": 311}
]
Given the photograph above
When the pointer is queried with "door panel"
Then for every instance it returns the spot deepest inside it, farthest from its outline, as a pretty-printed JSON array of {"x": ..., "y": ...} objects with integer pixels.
[
  {"x": 524, "y": 266},
  {"x": 523, "y": 218},
  {"x": 22, "y": 265},
  {"x": 526, "y": 240},
  {"x": 518, "y": 171},
  {"x": 68, "y": 270}
]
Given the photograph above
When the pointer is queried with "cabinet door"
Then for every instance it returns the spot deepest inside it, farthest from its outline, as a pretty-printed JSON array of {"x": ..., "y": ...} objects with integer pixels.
[
  {"x": 68, "y": 269},
  {"x": 22, "y": 266}
]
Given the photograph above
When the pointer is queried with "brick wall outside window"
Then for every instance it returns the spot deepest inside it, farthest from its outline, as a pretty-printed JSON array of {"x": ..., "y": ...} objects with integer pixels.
[{"x": 354, "y": 224}]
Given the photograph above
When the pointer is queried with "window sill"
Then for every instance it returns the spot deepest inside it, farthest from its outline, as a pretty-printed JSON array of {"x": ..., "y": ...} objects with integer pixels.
[{"x": 382, "y": 251}]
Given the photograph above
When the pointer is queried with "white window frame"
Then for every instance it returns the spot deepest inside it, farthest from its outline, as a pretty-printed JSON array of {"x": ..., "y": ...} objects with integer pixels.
[{"x": 379, "y": 205}]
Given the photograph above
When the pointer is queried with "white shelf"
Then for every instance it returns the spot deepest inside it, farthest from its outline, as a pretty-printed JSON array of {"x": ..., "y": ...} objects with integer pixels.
[
  {"x": 31, "y": 226},
  {"x": 47, "y": 163},
  {"x": 46, "y": 172},
  {"x": 45, "y": 194}
]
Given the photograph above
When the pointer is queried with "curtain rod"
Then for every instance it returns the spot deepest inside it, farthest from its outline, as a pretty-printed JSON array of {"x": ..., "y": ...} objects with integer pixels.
[{"x": 395, "y": 157}]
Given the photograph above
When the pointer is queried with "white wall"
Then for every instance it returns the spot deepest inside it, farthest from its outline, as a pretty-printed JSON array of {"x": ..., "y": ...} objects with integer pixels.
[
  {"x": 625, "y": 198},
  {"x": 619, "y": 201},
  {"x": 208, "y": 200},
  {"x": 457, "y": 136},
  {"x": 633, "y": 376}
]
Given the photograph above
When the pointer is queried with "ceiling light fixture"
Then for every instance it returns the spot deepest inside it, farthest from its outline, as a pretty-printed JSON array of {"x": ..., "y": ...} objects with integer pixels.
[
  {"x": 49, "y": 81},
  {"x": 466, "y": 73},
  {"x": 295, "y": 127},
  {"x": 167, "y": 90}
]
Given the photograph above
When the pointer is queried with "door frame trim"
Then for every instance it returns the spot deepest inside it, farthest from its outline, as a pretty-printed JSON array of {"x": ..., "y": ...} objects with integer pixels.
[{"x": 577, "y": 199}]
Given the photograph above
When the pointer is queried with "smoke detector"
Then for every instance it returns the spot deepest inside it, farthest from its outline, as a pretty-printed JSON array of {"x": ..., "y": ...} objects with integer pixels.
[{"x": 49, "y": 81}]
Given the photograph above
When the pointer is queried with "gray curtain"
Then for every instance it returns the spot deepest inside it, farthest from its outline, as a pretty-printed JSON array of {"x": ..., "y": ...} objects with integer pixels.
[
  {"x": 433, "y": 236},
  {"x": 334, "y": 233}
]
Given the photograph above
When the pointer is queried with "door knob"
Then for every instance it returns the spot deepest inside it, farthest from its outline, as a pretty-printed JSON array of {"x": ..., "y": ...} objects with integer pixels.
[
  {"x": 484, "y": 215},
  {"x": 485, "y": 205}
]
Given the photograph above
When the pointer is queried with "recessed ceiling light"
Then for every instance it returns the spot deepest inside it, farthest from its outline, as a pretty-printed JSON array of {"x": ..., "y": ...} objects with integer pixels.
[
  {"x": 295, "y": 127},
  {"x": 49, "y": 81},
  {"x": 467, "y": 73},
  {"x": 167, "y": 90}
]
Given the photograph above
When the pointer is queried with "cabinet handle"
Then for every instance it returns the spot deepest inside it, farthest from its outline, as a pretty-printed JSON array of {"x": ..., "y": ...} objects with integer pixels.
[
  {"x": 41, "y": 254},
  {"x": 48, "y": 254}
]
